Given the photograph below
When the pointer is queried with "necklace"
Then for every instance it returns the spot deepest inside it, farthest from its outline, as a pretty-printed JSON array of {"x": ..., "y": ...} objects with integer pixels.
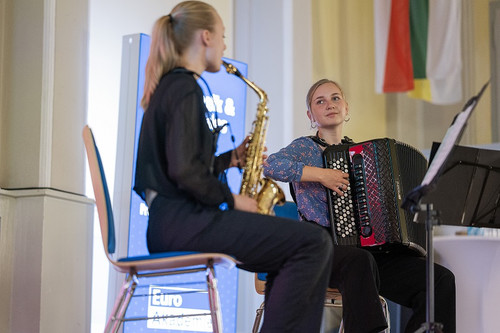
[{"x": 322, "y": 142}]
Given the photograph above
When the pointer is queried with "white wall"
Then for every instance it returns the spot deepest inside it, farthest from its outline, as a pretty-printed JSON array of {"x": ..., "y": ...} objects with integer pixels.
[
  {"x": 45, "y": 222},
  {"x": 46, "y": 261}
]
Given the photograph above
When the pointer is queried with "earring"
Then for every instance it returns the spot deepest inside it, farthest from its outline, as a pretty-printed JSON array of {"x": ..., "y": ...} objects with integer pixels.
[
  {"x": 313, "y": 124},
  {"x": 347, "y": 119}
]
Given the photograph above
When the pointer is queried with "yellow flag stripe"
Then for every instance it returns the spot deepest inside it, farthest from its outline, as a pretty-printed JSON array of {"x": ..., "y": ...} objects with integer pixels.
[{"x": 422, "y": 90}]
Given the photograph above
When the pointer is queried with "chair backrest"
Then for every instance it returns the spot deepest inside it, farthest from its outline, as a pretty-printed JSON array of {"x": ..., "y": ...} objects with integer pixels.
[
  {"x": 101, "y": 192},
  {"x": 289, "y": 209}
]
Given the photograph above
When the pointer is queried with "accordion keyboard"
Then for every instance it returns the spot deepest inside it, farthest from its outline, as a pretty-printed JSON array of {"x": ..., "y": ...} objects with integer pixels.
[{"x": 342, "y": 212}]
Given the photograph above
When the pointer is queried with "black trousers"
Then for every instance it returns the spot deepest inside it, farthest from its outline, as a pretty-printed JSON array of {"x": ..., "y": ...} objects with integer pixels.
[
  {"x": 297, "y": 256},
  {"x": 361, "y": 276},
  {"x": 403, "y": 281}
]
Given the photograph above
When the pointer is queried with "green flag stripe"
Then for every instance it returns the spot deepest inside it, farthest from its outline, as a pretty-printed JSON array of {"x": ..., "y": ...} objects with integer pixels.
[{"x": 419, "y": 23}]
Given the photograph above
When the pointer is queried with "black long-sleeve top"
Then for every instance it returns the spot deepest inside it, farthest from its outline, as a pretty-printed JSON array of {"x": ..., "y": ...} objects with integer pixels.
[{"x": 176, "y": 146}]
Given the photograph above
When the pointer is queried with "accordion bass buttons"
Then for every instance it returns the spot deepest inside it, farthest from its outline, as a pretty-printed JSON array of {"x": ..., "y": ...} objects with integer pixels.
[
  {"x": 359, "y": 183},
  {"x": 366, "y": 230}
]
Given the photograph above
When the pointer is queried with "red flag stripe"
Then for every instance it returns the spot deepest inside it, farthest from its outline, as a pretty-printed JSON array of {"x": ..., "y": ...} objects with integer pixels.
[{"x": 399, "y": 67}]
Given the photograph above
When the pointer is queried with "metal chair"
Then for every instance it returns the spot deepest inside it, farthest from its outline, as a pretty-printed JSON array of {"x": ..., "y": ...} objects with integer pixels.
[
  {"x": 333, "y": 297},
  {"x": 159, "y": 264}
]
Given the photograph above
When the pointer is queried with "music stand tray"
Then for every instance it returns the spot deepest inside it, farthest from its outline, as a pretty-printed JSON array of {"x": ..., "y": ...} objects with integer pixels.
[{"x": 468, "y": 190}]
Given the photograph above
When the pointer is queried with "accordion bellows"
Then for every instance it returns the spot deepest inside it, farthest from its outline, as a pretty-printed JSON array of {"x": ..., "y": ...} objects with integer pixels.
[{"x": 369, "y": 214}]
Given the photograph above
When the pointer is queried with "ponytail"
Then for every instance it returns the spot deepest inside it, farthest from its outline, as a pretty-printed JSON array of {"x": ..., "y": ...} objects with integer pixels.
[
  {"x": 172, "y": 34},
  {"x": 162, "y": 57}
]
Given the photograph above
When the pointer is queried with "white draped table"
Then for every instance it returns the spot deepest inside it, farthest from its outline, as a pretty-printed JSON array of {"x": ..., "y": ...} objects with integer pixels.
[{"x": 475, "y": 261}]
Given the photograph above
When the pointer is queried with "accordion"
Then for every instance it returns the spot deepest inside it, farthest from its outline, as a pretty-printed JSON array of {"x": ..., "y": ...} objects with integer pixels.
[{"x": 369, "y": 214}]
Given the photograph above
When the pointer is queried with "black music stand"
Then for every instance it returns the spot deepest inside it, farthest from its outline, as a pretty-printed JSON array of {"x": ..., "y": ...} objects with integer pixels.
[
  {"x": 429, "y": 184},
  {"x": 468, "y": 190}
]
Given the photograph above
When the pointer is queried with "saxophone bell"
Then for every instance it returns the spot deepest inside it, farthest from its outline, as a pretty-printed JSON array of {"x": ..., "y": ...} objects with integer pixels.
[{"x": 269, "y": 196}]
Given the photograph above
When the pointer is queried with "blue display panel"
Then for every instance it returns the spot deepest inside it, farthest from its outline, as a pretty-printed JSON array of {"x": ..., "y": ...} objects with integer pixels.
[{"x": 170, "y": 295}]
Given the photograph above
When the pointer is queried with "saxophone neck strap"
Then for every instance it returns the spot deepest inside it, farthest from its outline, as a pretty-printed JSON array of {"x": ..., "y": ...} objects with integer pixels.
[{"x": 214, "y": 123}]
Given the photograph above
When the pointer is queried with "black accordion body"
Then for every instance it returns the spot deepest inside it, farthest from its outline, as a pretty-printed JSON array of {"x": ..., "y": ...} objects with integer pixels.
[{"x": 369, "y": 214}]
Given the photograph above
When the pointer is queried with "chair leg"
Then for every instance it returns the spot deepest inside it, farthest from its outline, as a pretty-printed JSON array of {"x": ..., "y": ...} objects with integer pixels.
[
  {"x": 121, "y": 304},
  {"x": 213, "y": 298},
  {"x": 386, "y": 313},
  {"x": 258, "y": 318},
  {"x": 385, "y": 307},
  {"x": 341, "y": 327}
]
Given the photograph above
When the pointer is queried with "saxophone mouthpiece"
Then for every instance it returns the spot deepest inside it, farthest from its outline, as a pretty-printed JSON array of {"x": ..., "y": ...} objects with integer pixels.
[{"x": 231, "y": 69}]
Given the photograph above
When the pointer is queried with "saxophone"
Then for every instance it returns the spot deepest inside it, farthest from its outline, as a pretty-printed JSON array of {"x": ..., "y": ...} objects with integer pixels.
[{"x": 266, "y": 192}]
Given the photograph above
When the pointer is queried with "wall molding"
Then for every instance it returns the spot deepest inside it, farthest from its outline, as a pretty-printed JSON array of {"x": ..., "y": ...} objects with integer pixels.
[{"x": 47, "y": 102}]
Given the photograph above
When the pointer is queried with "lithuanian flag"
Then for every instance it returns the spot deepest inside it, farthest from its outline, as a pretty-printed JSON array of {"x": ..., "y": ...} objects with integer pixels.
[{"x": 418, "y": 49}]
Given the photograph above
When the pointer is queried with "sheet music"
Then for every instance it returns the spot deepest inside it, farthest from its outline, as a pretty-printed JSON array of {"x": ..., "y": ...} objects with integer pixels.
[{"x": 450, "y": 139}]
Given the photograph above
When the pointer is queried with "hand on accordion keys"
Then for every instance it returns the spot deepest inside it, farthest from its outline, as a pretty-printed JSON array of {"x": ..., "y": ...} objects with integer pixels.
[{"x": 335, "y": 180}]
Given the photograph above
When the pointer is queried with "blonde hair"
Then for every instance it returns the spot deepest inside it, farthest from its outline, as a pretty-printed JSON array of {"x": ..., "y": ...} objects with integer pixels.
[
  {"x": 315, "y": 86},
  {"x": 172, "y": 34}
]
